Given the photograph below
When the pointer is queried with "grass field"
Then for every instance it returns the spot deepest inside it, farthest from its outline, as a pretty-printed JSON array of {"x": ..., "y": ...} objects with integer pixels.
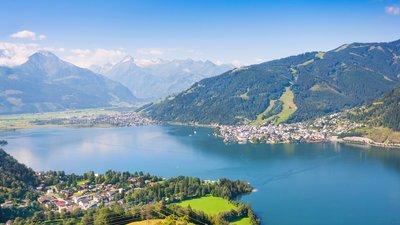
[
  {"x": 153, "y": 222},
  {"x": 320, "y": 55},
  {"x": 24, "y": 121},
  {"x": 306, "y": 63},
  {"x": 294, "y": 73},
  {"x": 288, "y": 106},
  {"x": 146, "y": 222},
  {"x": 243, "y": 221},
  {"x": 209, "y": 204},
  {"x": 82, "y": 182},
  {"x": 380, "y": 134},
  {"x": 244, "y": 95},
  {"x": 260, "y": 120}
]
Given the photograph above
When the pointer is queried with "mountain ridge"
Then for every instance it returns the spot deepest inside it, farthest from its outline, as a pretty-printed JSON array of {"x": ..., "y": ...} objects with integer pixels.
[
  {"x": 322, "y": 83},
  {"x": 160, "y": 78},
  {"x": 47, "y": 83}
]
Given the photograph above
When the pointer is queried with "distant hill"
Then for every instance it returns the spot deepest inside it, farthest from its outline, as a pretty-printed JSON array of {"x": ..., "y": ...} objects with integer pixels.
[
  {"x": 46, "y": 83},
  {"x": 291, "y": 89},
  {"x": 159, "y": 78}
]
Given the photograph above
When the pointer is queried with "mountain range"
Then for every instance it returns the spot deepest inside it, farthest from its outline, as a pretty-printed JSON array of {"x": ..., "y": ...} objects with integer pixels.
[
  {"x": 47, "y": 83},
  {"x": 290, "y": 89},
  {"x": 159, "y": 78}
]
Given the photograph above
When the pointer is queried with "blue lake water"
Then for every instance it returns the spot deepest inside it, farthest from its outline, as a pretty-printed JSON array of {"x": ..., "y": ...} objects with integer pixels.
[{"x": 306, "y": 184}]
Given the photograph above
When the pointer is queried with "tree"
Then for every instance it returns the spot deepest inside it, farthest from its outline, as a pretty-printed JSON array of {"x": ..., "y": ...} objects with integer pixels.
[{"x": 3, "y": 143}]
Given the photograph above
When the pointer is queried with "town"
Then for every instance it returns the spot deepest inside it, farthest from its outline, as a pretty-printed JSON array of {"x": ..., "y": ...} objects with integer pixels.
[
  {"x": 116, "y": 119},
  {"x": 85, "y": 194},
  {"x": 318, "y": 130}
]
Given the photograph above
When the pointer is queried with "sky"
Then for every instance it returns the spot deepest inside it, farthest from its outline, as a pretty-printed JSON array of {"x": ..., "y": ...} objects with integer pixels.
[{"x": 241, "y": 32}]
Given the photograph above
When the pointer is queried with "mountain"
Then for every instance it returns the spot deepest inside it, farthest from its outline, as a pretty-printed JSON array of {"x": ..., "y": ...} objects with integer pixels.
[
  {"x": 47, "y": 83},
  {"x": 101, "y": 69},
  {"x": 291, "y": 89},
  {"x": 159, "y": 78}
]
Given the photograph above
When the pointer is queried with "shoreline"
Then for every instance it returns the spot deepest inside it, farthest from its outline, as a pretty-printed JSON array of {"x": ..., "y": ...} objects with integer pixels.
[
  {"x": 360, "y": 141},
  {"x": 189, "y": 124},
  {"x": 366, "y": 142}
]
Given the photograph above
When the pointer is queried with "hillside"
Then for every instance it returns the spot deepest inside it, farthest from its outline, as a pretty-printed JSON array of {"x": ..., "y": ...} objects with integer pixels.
[
  {"x": 383, "y": 112},
  {"x": 321, "y": 83},
  {"x": 381, "y": 119},
  {"x": 46, "y": 83},
  {"x": 15, "y": 178}
]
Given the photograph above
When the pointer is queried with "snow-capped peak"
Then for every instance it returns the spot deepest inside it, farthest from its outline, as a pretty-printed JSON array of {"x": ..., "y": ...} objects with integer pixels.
[
  {"x": 128, "y": 58},
  {"x": 149, "y": 62}
]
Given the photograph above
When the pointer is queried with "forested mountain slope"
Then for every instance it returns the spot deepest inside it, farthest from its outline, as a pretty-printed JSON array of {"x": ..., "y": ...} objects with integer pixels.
[
  {"x": 383, "y": 112},
  {"x": 296, "y": 88},
  {"x": 15, "y": 178}
]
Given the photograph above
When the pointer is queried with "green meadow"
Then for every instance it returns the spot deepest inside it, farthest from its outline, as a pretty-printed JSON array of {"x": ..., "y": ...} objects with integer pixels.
[{"x": 209, "y": 204}]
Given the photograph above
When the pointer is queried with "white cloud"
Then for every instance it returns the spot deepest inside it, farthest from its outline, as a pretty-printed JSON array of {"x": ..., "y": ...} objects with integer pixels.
[
  {"x": 393, "y": 10},
  {"x": 150, "y": 51},
  {"x": 12, "y": 54},
  {"x": 219, "y": 62},
  {"x": 237, "y": 63},
  {"x": 259, "y": 60},
  {"x": 51, "y": 49},
  {"x": 42, "y": 37},
  {"x": 165, "y": 51},
  {"x": 87, "y": 57},
  {"x": 104, "y": 53},
  {"x": 26, "y": 34},
  {"x": 148, "y": 62}
]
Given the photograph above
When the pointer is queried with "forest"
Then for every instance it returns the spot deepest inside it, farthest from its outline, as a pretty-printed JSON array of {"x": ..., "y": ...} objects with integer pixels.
[{"x": 383, "y": 112}]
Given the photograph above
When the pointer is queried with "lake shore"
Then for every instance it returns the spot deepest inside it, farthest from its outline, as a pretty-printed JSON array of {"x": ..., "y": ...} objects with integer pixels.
[
  {"x": 73, "y": 119},
  {"x": 272, "y": 169},
  {"x": 112, "y": 118},
  {"x": 366, "y": 142}
]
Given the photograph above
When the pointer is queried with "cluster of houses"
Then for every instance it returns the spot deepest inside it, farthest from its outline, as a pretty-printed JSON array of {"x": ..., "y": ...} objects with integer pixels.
[
  {"x": 7, "y": 204},
  {"x": 82, "y": 199},
  {"x": 121, "y": 119},
  {"x": 85, "y": 195},
  {"x": 318, "y": 130}
]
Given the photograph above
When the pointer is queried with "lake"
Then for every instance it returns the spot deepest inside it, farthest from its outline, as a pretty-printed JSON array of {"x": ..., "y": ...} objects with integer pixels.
[{"x": 319, "y": 183}]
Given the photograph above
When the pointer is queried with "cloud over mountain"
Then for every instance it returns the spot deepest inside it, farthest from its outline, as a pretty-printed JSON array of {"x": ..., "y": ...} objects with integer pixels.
[{"x": 26, "y": 34}]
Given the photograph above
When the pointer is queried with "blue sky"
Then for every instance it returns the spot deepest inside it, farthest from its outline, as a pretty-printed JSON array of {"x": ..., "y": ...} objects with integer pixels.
[{"x": 243, "y": 32}]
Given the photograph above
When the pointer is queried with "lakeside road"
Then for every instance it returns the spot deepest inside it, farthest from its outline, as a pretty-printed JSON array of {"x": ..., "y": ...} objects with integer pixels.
[{"x": 368, "y": 142}]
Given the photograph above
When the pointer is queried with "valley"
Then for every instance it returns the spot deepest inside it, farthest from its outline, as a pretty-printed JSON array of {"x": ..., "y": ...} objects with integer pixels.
[{"x": 108, "y": 117}]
